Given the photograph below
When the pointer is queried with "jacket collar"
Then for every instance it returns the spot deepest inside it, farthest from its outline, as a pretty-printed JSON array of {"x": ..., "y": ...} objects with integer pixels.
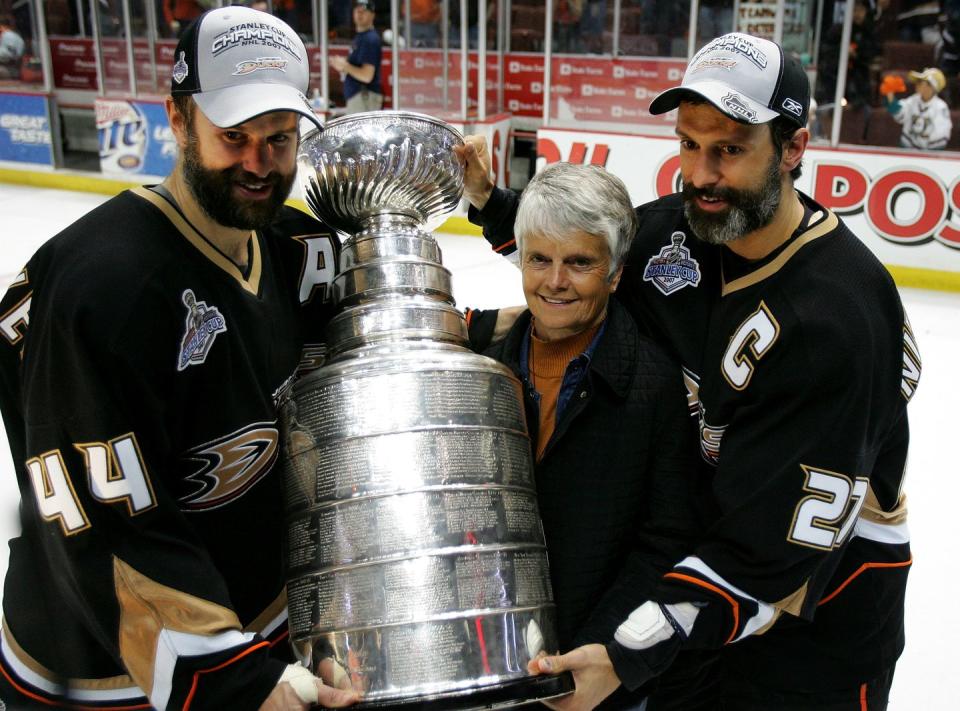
[{"x": 613, "y": 358}]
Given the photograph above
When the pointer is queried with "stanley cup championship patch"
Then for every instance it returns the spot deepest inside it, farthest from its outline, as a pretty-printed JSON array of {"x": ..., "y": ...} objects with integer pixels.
[
  {"x": 203, "y": 323},
  {"x": 673, "y": 268}
]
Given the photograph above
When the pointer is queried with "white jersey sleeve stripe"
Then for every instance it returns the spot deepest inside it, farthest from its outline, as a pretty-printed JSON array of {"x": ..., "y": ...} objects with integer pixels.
[
  {"x": 765, "y": 611},
  {"x": 172, "y": 645},
  {"x": 896, "y": 534}
]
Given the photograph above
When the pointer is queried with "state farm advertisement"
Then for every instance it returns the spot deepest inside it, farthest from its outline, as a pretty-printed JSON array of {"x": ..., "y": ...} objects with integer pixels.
[
  {"x": 74, "y": 65},
  {"x": 905, "y": 207},
  {"x": 618, "y": 91}
]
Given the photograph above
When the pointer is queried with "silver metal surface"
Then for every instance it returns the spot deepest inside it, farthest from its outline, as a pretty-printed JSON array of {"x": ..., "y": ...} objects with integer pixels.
[
  {"x": 415, "y": 554},
  {"x": 381, "y": 163},
  {"x": 387, "y": 277},
  {"x": 397, "y": 320}
]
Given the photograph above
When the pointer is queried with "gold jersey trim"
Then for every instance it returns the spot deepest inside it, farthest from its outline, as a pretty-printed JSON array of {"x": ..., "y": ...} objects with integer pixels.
[
  {"x": 148, "y": 607},
  {"x": 250, "y": 283},
  {"x": 824, "y": 226}
]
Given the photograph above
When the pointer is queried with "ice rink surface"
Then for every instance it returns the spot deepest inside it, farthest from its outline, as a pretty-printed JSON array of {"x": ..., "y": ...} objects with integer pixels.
[{"x": 927, "y": 677}]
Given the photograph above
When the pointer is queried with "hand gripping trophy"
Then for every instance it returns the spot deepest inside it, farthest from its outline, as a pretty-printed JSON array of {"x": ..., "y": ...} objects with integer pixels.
[{"x": 417, "y": 570}]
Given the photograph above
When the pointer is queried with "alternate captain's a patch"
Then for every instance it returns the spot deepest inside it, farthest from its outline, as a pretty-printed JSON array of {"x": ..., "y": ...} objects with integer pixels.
[
  {"x": 673, "y": 268},
  {"x": 203, "y": 323}
]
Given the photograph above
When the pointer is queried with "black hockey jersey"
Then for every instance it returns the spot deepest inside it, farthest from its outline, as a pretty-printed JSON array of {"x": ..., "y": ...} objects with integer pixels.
[
  {"x": 799, "y": 368},
  {"x": 139, "y": 371}
]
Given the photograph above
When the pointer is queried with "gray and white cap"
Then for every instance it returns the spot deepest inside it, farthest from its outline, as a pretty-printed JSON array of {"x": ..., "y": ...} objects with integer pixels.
[
  {"x": 749, "y": 79},
  {"x": 239, "y": 63}
]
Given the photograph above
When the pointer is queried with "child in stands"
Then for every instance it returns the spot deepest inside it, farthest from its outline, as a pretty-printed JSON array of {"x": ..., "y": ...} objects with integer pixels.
[{"x": 925, "y": 117}]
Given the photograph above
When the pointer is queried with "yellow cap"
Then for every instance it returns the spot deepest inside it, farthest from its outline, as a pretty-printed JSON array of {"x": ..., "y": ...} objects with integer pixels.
[{"x": 933, "y": 76}]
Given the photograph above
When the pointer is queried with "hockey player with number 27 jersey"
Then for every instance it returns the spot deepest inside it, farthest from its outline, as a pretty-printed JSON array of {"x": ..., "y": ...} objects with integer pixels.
[{"x": 799, "y": 364}]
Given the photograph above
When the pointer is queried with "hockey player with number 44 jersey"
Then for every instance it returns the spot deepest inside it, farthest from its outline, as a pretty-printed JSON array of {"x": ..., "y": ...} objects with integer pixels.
[
  {"x": 799, "y": 364},
  {"x": 143, "y": 353}
]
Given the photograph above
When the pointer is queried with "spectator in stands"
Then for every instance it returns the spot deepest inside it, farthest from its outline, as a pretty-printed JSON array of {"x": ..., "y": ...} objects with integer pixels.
[
  {"x": 11, "y": 48},
  {"x": 714, "y": 18},
  {"x": 566, "y": 24},
  {"x": 593, "y": 22},
  {"x": 918, "y": 21},
  {"x": 925, "y": 117},
  {"x": 950, "y": 47},
  {"x": 425, "y": 23},
  {"x": 453, "y": 10},
  {"x": 361, "y": 68},
  {"x": 180, "y": 13},
  {"x": 864, "y": 49}
]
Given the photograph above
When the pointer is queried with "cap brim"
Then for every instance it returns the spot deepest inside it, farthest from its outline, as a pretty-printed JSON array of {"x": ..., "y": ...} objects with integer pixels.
[
  {"x": 733, "y": 104},
  {"x": 234, "y": 105}
]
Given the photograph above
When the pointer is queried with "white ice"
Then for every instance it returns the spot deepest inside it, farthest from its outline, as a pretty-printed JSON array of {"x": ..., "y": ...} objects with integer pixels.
[{"x": 927, "y": 677}]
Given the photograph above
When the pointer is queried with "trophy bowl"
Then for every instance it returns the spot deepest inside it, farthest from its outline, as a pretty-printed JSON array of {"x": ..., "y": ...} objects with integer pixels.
[{"x": 381, "y": 163}]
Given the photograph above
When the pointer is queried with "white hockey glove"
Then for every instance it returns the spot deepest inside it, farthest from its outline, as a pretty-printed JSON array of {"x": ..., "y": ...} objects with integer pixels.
[
  {"x": 652, "y": 623},
  {"x": 646, "y": 644}
]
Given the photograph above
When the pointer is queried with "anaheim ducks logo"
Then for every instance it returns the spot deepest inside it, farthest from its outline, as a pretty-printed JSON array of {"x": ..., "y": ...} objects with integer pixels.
[
  {"x": 254, "y": 65},
  {"x": 231, "y": 465}
]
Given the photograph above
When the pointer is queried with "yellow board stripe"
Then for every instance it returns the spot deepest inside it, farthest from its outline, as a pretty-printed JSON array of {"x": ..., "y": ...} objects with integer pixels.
[{"x": 916, "y": 277}]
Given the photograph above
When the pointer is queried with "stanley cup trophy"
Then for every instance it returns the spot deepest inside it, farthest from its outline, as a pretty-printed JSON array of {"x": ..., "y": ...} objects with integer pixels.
[{"x": 416, "y": 561}]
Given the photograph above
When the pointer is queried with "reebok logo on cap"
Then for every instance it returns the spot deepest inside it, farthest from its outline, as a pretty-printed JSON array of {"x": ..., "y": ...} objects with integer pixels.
[
  {"x": 239, "y": 63},
  {"x": 748, "y": 78}
]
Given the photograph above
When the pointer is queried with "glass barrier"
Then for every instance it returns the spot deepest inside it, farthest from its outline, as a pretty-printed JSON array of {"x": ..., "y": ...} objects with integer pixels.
[
  {"x": 20, "y": 56},
  {"x": 596, "y": 64}
]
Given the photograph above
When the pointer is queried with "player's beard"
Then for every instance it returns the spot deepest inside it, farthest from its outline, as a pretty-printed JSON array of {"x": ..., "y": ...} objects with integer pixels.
[
  {"x": 747, "y": 210},
  {"x": 213, "y": 190}
]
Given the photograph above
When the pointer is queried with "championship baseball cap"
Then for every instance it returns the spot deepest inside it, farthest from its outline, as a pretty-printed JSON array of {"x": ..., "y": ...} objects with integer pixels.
[
  {"x": 748, "y": 78},
  {"x": 933, "y": 76},
  {"x": 239, "y": 63},
  {"x": 365, "y": 4}
]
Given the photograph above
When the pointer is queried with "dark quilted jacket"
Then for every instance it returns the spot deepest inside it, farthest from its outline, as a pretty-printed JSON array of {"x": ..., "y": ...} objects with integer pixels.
[{"x": 618, "y": 486}]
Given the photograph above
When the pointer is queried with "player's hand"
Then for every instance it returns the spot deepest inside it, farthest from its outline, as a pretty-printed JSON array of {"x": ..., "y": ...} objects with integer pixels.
[
  {"x": 477, "y": 185},
  {"x": 592, "y": 673},
  {"x": 299, "y": 690},
  {"x": 338, "y": 63}
]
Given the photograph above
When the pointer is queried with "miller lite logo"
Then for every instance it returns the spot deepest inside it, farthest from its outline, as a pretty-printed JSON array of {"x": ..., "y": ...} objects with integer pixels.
[
  {"x": 673, "y": 268},
  {"x": 203, "y": 323}
]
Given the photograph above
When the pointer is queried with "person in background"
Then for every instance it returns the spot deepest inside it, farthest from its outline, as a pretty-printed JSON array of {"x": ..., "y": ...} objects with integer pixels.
[
  {"x": 919, "y": 21},
  {"x": 425, "y": 17},
  {"x": 715, "y": 18},
  {"x": 178, "y": 14},
  {"x": 566, "y": 26},
  {"x": 12, "y": 48},
  {"x": 863, "y": 50},
  {"x": 925, "y": 117},
  {"x": 361, "y": 68},
  {"x": 618, "y": 484},
  {"x": 146, "y": 347}
]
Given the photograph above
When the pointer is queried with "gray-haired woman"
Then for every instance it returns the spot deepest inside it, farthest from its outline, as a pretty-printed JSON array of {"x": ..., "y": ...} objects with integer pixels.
[{"x": 607, "y": 412}]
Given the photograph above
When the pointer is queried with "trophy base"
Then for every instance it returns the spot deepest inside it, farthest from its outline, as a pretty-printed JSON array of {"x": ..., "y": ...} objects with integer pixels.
[{"x": 514, "y": 693}]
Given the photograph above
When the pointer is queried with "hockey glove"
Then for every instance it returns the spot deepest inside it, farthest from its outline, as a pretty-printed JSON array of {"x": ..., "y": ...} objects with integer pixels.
[{"x": 649, "y": 640}]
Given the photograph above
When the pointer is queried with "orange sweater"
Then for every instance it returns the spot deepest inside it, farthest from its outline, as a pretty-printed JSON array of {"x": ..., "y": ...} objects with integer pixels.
[{"x": 548, "y": 363}]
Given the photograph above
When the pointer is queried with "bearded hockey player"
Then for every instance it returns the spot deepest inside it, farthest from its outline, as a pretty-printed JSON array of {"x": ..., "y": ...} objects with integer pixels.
[
  {"x": 799, "y": 365},
  {"x": 144, "y": 349}
]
